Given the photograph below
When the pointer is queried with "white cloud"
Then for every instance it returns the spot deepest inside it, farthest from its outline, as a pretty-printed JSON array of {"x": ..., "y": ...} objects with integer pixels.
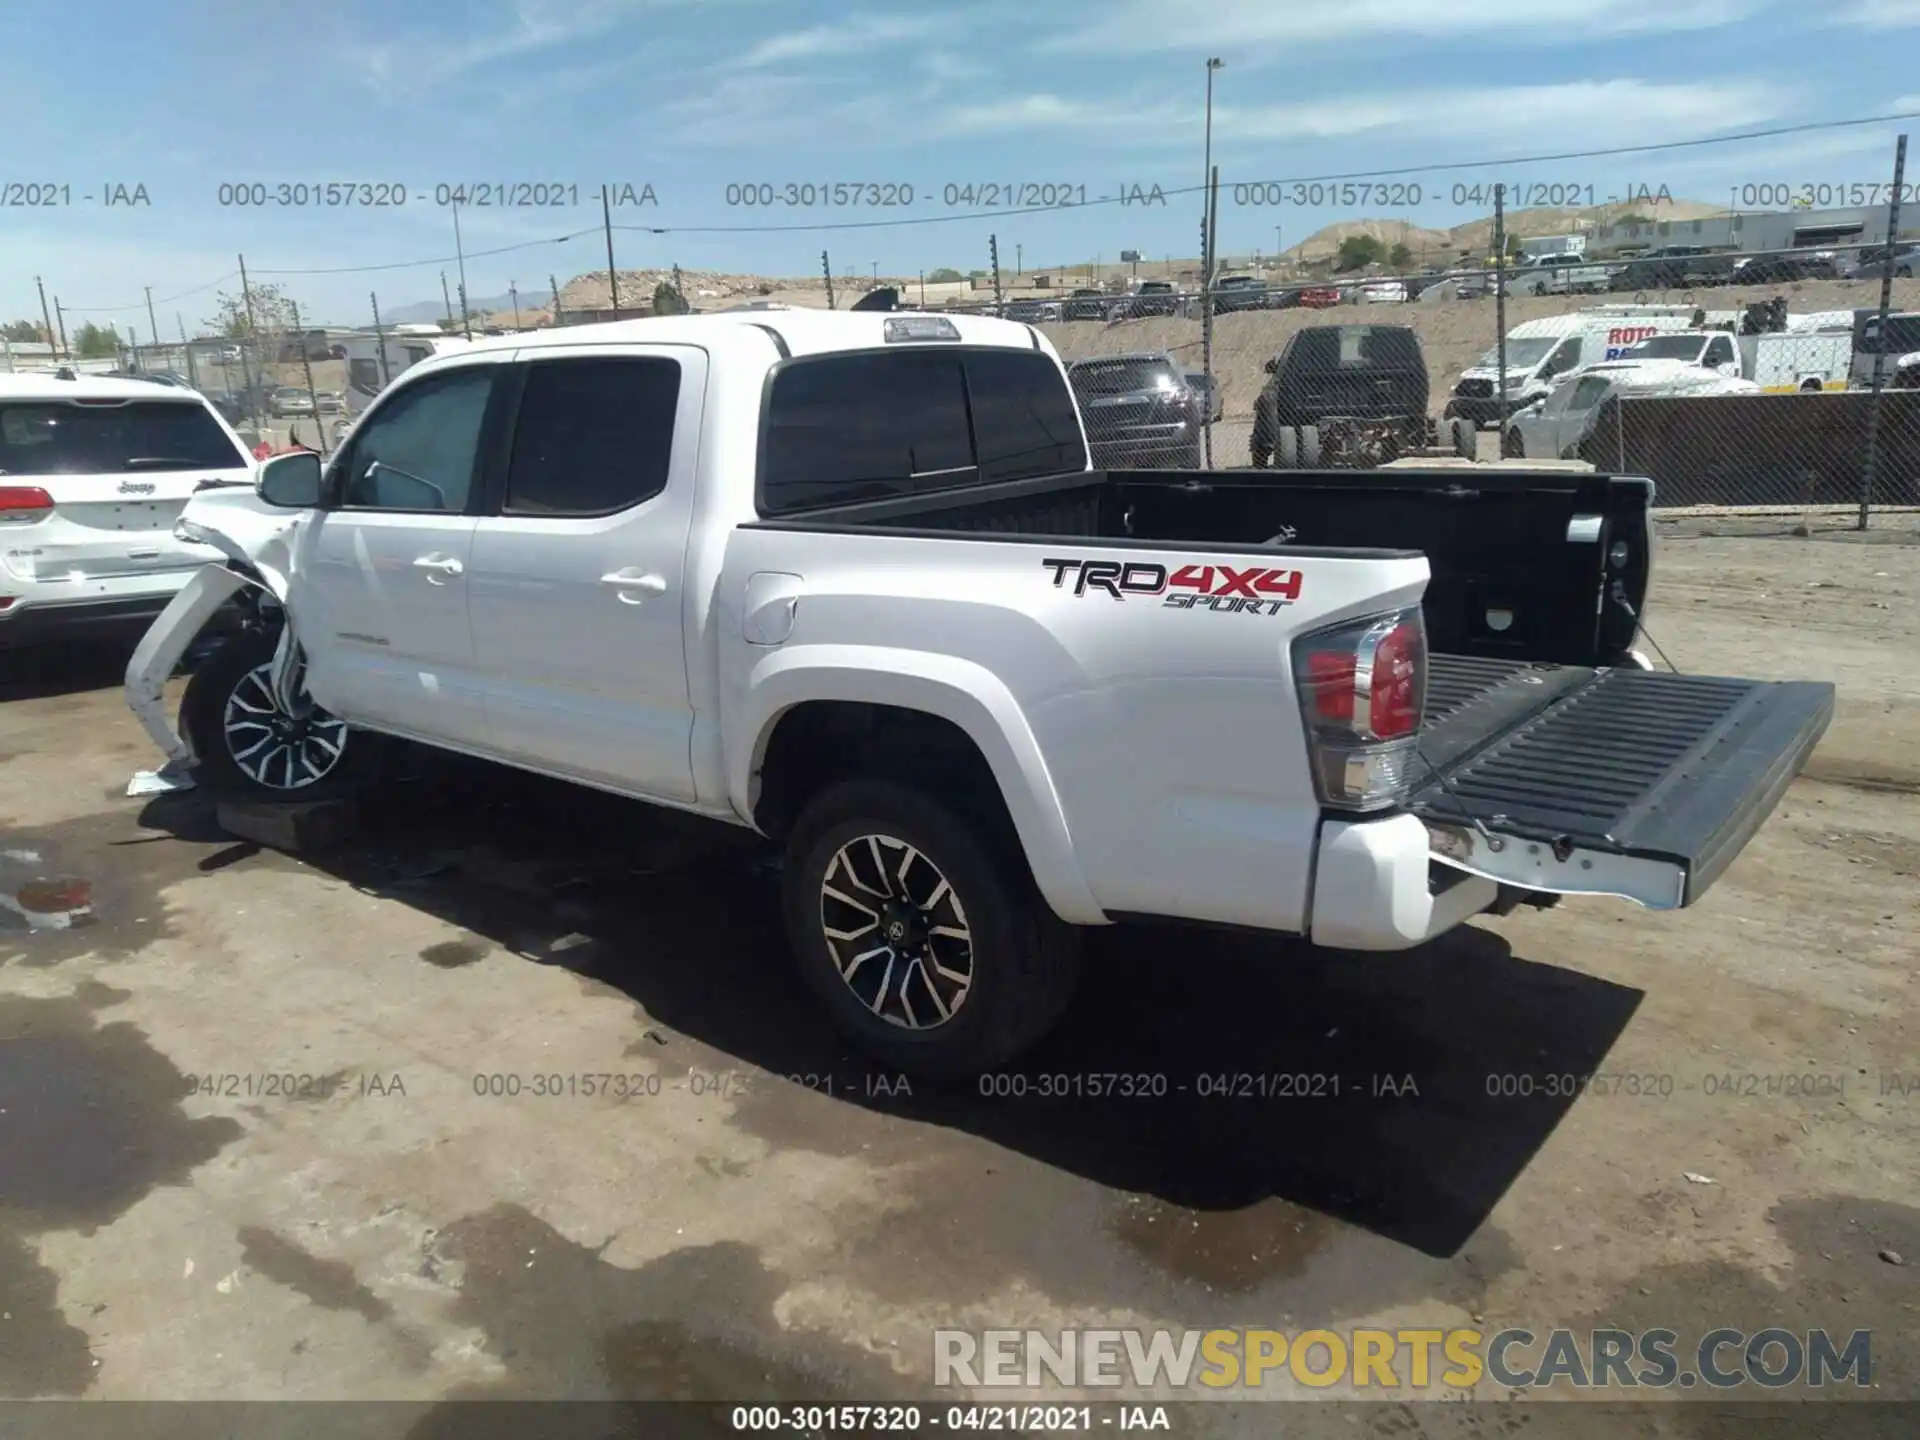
[
  {"x": 1593, "y": 113},
  {"x": 856, "y": 35},
  {"x": 1156, "y": 25},
  {"x": 1905, "y": 104},
  {"x": 1881, "y": 14}
]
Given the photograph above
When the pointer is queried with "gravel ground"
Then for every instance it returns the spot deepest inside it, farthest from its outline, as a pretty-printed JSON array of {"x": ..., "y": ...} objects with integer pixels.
[{"x": 728, "y": 1231}]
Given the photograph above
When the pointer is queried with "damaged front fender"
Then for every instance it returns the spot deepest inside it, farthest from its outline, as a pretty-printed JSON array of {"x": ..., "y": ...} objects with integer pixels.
[{"x": 257, "y": 541}]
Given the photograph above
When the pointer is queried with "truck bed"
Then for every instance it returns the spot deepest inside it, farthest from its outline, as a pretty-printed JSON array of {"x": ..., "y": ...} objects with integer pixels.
[
  {"x": 1518, "y": 557},
  {"x": 1550, "y": 765}
]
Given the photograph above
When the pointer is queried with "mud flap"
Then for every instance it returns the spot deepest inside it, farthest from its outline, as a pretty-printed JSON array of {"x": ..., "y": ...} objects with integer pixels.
[
  {"x": 1643, "y": 784},
  {"x": 158, "y": 654}
]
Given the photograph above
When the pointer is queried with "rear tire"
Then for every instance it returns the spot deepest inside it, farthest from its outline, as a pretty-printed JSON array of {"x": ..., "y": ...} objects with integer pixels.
[
  {"x": 248, "y": 750},
  {"x": 1309, "y": 446},
  {"x": 1286, "y": 449},
  {"x": 1512, "y": 447},
  {"x": 958, "y": 967},
  {"x": 1465, "y": 438}
]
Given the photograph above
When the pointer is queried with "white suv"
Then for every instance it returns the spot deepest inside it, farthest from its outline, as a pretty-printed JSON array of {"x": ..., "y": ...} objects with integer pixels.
[{"x": 93, "y": 474}]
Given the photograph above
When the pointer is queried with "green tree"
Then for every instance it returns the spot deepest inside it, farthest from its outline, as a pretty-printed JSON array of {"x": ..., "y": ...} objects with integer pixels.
[
  {"x": 1634, "y": 217},
  {"x": 24, "y": 332},
  {"x": 668, "y": 301},
  {"x": 93, "y": 343},
  {"x": 945, "y": 275},
  {"x": 272, "y": 313},
  {"x": 976, "y": 275},
  {"x": 1358, "y": 251},
  {"x": 1400, "y": 257}
]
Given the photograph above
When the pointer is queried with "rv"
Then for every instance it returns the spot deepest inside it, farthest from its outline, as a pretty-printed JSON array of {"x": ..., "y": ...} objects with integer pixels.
[
  {"x": 374, "y": 360},
  {"x": 1541, "y": 352}
]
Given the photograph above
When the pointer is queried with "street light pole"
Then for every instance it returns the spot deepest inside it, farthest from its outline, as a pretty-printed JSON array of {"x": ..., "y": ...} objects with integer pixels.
[
  {"x": 1207, "y": 242},
  {"x": 1206, "y": 178}
]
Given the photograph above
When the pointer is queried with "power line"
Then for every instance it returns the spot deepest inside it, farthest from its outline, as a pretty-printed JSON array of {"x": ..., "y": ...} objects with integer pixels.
[
  {"x": 438, "y": 260},
  {"x": 133, "y": 305}
]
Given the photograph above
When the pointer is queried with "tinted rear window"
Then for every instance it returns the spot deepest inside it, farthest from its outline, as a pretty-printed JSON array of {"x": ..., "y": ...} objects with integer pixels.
[
  {"x": 1358, "y": 347},
  {"x": 864, "y": 426},
  {"x": 144, "y": 437},
  {"x": 1121, "y": 377}
]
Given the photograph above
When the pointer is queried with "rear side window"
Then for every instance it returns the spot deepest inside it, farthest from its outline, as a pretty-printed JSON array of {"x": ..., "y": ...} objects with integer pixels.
[
  {"x": 1024, "y": 420},
  {"x": 1120, "y": 377},
  {"x": 1587, "y": 392},
  {"x": 594, "y": 435},
  {"x": 63, "y": 437}
]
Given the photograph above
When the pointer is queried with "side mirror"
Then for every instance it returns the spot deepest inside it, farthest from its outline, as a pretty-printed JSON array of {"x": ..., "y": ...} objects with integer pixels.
[
  {"x": 1272, "y": 364},
  {"x": 291, "y": 482}
]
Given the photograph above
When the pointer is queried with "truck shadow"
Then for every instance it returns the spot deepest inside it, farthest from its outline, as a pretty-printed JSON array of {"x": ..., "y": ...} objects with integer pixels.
[{"x": 1210, "y": 1071}]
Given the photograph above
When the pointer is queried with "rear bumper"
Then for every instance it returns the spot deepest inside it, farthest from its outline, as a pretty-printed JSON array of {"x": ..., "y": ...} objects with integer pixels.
[
  {"x": 1374, "y": 887},
  {"x": 1480, "y": 409},
  {"x": 101, "y": 609}
]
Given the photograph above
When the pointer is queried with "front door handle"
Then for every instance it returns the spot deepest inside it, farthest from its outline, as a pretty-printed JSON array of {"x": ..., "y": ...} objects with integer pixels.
[
  {"x": 439, "y": 568},
  {"x": 633, "y": 586}
]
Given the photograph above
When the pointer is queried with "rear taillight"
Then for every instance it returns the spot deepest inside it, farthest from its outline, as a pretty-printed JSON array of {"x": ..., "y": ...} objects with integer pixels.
[
  {"x": 1362, "y": 689},
  {"x": 24, "y": 503}
]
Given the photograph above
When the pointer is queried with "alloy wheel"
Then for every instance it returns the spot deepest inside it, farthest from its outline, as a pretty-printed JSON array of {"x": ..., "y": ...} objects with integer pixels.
[
  {"x": 897, "y": 932},
  {"x": 273, "y": 748}
]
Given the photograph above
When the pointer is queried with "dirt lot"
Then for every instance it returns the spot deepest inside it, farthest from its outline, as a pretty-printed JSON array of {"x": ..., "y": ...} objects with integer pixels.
[{"x": 727, "y": 1232}]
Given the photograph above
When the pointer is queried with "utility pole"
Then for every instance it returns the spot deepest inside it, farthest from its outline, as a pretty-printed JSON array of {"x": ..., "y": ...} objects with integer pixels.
[
  {"x": 993, "y": 254},
  {"x": 513, "y": 293},
  {"x": 380, "y": 340},
  {"x": 153, "y": 325},
  {"x": 46, "y": 318},
  {"x": 1206, "y": 330},
  {"x": 1879, "y": 347},
  {"x": 923, "y": 289},
  {"x": 186, "y": 346},
  {"x": 1500, "y": 296},
  {"x": 460, "y": 254},
  {"x": 613, "y": 276},
  {"x": 61, "y": 316},
  {"x": 306, "y": 362},
  {"x": 253, "y": 339},
  {"x": 553, "y": 289},
  {"x": 446, "y": 297},
  {"x": 826, "y": 268},
  {"x": 1019, "y": 260}
]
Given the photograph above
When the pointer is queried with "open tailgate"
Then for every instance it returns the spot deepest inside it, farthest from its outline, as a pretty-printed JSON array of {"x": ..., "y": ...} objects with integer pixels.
[{"x": 1638, "y": 783}]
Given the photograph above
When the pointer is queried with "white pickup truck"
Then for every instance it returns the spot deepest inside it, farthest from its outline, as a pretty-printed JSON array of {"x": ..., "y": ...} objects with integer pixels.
[
  {"x": 1563, "y": 274},
  {"x": 848, "y": 579}
]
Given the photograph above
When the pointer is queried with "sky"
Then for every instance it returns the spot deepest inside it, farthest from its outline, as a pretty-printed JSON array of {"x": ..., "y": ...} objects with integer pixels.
[{"x": 715, "y": 123}]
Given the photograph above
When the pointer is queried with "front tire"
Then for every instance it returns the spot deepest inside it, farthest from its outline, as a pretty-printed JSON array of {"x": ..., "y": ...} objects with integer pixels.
[
  {"x": 926, "y": 939},
  {"x": 1512, "y": 447},
  {"x": 247, "y": 748}
]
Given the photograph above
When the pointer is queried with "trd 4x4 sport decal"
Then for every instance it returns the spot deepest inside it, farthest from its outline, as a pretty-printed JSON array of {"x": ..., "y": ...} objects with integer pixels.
[{"x": 1248, "y": 589}]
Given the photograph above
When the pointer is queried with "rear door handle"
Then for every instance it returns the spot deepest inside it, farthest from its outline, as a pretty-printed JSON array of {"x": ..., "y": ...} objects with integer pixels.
[
  {"x": 438, "y": 567},
  {"x": 633, "y": 586}
]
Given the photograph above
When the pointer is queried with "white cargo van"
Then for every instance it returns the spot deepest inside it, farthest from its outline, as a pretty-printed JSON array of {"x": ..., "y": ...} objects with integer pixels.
[
  {"x": 1900, "y": 347},
  {"x": 1539, "y": 352}
]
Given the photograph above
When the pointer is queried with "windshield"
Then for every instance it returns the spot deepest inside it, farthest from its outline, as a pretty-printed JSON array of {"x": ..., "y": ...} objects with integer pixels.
[
  {"x": 1521, "y": 354},
  {"x": 62, "y": 438},
  {"x": 1122, "y": 377},
  {"x": 1666, "y": 347}
]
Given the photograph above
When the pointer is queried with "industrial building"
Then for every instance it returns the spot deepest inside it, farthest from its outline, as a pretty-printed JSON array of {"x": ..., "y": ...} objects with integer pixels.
[{"x": 1754, "y": 230}]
